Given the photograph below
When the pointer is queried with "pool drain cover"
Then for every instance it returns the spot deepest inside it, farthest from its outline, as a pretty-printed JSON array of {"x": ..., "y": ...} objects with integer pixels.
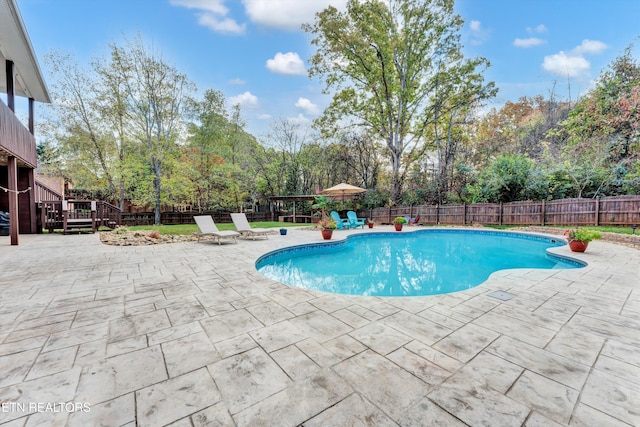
[{"x": 502, "y": 295}]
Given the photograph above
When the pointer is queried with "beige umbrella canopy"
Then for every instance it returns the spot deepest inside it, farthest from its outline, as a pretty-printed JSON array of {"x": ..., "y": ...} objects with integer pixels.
[{"x": 343, "y": 189}]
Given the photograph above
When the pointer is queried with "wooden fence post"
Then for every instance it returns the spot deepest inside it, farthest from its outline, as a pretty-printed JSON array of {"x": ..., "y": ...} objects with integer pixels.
[
  {"x": 464, "y": 214},
  {"x": 437, "y": 214},
  {"x": 500, "y": 214},
  {"x": 597, "y": 218},
  {"x": 543, "y": 212}
]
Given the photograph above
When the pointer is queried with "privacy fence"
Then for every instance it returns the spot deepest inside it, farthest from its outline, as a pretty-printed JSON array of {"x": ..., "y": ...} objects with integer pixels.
[{"x": 619, "y": 210}]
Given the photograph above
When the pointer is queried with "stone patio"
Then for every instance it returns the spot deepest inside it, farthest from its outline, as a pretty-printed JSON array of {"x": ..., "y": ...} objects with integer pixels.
[{"x": 190, "y": 334}]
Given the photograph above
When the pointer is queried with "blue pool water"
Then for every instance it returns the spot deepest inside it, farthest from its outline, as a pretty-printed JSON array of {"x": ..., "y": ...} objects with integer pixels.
[{"x": 425, "y": 262}]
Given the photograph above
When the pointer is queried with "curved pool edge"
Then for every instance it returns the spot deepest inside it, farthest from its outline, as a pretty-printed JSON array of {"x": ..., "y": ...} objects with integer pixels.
[{"x": 552, "y": 252}]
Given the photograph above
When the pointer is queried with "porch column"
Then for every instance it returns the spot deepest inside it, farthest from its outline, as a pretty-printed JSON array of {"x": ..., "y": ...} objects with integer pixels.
[
  {"x": 32, "y": 201},
  {"x": 31, "y": 119},
  {"x": 12, "y": 166}
]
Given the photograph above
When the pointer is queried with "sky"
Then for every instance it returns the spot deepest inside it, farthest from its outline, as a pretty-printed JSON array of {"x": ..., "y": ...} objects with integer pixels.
[{"x": 255, "y": 53}]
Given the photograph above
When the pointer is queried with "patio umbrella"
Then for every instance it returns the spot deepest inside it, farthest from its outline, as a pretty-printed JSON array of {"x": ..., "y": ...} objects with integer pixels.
[{"x": 343, "y": 189}]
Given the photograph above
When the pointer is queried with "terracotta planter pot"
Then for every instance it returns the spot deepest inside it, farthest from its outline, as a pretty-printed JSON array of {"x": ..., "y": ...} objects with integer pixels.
[
  {"x": 327, "y": 233},
  {"x": 578, "y": 245},
  {"x": 398, "y": 227},
  {"x": 370, "y": 225}
]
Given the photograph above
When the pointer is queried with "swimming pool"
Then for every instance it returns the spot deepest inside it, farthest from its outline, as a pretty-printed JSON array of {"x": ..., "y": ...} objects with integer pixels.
[{"x": 425, "y": 262}]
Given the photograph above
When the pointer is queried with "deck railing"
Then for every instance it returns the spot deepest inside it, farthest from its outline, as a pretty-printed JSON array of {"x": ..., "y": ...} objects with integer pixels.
[{"x": 52, "y": 214}]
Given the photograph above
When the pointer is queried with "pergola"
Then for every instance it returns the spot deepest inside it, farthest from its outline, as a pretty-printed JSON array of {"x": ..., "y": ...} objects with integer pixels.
[
  {"x": 20, "y": 76},
  {"x": 298, "y": 198}
]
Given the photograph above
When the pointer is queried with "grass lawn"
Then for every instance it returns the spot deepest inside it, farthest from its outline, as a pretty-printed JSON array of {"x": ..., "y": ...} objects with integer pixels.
[
  {"x": 186, "y": 229},
  {"x": 601, "y": 228}
]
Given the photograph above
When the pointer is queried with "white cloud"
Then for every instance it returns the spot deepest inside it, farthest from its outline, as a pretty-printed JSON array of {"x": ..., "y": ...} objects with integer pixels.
[
  {"x": 212, "y": 14},
  {"x": 264, "y": 116},
  {"x": 213, "y": 6},
  {"x": 287, "y": 14},
  {"x": 299, "y": 119},
  {"x": 286, "y": 63},
  {"x": 566, "y": 65},
  {"x": 573, "y": 63},
  {"x": 237, "y": 81},
  {"x": 591, "y": 46},
  {"x": 307, "y": 106},
  {"x": 530, "y": 42},
  {"x": 539, "y": 29},
  {"x": 478, "y": 34},
  {"x": 246, "y": 100},
  {"x": 225, "y": 25}
]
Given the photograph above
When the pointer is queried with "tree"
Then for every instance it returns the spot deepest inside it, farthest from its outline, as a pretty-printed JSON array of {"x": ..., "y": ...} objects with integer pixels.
[
  {"x": 506, "y": 179},
  {"x": 156, "y": 95},
  {"x": 397, "y": 69}
]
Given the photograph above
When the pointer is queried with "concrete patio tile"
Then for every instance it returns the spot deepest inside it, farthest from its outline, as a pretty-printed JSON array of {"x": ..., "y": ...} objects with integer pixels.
[
  {"x": 350, "y": 318},
  {"x": 545, "y": 396},
  {"x": 91, "y": 352},
  {"x": 214, "y": 416},
  {"x": 386, "y": 385},
  {"x": 14, "y": 367},
  {"x": 613, "y": 395},
  {"x": 344, "y": 346},
  {"x": 380, "y": 338},
  {"x": 318, "y": 353},
  {"x": 477, "y": 404},
  {"x": 247, "y": 378},
  {"x": 116, "y": 412},
  {"x": 352, "y": 411},
  {"x": 298, "y": 402},
  {"x": 75, "y": 336},
  {"x": 417, "y": 327},
  {"x": 120, "y": 375},
  {"x": 466, "y": 342},
  {"x": 175, "y": 398},
  {"x": 185, "y": 354},
  {"x": 269, "y": 312},
  {"x": 516, "y": 328},
  {"x": 173, "y": 333},
  {"x": 320, "y": 326},
  {"x": 434, "y": 356},
  {"x": 236, "y": 345},
  {"x": 577, "y": 345},
  {"x": 228, "y": 325},
  {"x": 251, "y": 301},
  {"x": 186, "y": 312},
  {"x": 330, "y": 303},
  {"x": 126, "y": 346},
  {"x": 277, "y": 336},
  {"x": 538, "y": 420},
  {"x": 427, "y": 413},
  {"x": 51, "y": 362},
  {"x": 294, "y": 362},
  {"x": 428, "y": 372},
  {"x": 91, "y": 316},
  {"x": 585, "y": 415},
  {"x": 491, "y": 371},
  {"x": 38, "y": 331},
  {"x": 440, "y": 319},
  {"x": 543, "y": 362},
  {"x": 622, "y": 349},
  {"x": 58, "y": 387}
]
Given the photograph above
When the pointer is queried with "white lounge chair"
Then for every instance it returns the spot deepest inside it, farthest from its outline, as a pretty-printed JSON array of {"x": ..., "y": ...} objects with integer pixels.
[
  {"x": 242, "y": 225},
  {"x": 208, "y": 228}
]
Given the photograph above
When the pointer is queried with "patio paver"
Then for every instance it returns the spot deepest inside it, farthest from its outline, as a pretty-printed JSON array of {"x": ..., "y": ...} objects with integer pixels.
[{"x": 190, "y": 334}]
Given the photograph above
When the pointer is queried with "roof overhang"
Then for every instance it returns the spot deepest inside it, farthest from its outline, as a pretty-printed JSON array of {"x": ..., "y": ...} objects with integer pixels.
[{"x": 15, "y": 46}]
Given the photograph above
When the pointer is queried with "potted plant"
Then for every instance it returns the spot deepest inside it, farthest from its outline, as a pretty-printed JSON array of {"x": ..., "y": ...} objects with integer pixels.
[
  {"x": 283, "y": 231},
  {"x": 327, "y": 225},
  {"x": 398, "y": 222},
  {"x": 370, "y": 223},
  {"x": 579, "y": 238}
]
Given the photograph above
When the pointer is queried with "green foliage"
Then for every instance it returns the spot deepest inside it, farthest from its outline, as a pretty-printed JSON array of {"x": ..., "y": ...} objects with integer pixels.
[
  {"x": 506, "y": 179},
  {"x": 582, "y": 234},
  {"x": 400, "y": 220}
]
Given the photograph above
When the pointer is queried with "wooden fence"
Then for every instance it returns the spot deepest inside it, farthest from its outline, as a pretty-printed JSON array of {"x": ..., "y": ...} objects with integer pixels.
[
  {"x": 618, "y": 210},
  {"x": 172, "y": 218}
]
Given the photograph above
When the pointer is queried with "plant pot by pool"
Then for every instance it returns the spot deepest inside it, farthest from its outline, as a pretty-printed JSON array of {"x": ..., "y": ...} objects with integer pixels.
[
  {"x": 578, "y": 245},
  {"x": 283, "y": 231},
  {"x": 327, "y": 233}
]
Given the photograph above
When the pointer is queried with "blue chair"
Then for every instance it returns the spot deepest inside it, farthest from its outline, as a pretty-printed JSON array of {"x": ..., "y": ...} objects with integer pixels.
[
  {"x": 340, "y": 223},
  {"x": 354, "y": 221}
]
